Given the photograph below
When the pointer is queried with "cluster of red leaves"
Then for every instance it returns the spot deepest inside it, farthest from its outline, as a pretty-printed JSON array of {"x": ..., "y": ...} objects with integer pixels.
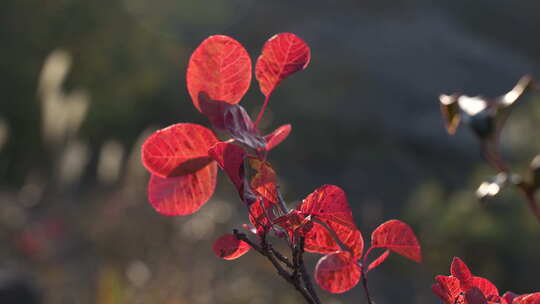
[
  {"x": 183, "y": 160},
  {"x": 325, "y": 219},
  {"x": 462, "y": 287}
]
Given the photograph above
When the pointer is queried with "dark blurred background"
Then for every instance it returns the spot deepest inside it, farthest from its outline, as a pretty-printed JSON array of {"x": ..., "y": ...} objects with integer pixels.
[{"x": 84, "y": 82}]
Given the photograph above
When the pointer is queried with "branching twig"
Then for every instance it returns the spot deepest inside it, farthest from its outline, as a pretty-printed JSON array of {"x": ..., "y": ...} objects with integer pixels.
[{"x": 265, "y": 249}]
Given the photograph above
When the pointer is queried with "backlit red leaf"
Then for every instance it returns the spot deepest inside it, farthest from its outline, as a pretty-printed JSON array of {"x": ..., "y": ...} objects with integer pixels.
[
  {"x": 328, "y": 204},
  {"x": 184, "y": 194},
  {"x": 337, "y": 272},
  {"x": 230, "y": 159},
  {"x": 398, "y": 237},
  {"x": 277, "y": 137},
  {"x": 532, "y": 298},
  {"x": 319, "y": 240},
  {"x": 293, "y": 223},
  {"x": 460, "y": 270},
  {"x": 177, "y": 150},
  {"x": 378, "y": 261},
  {"x": 474, "y": 296},
  {"x": 263, "y": 183},
  {"x": 282, "y": 55},
  {"x": 447, "y": 288},
  {"x": 259, "y": 215},
  {"x": 220, "y": 70},
  {"x": 485, "y": 286},
  {"x": 509, "y": 297},
  {"x": 229, "y": 247},
  {"x": 241, "y": 128}
]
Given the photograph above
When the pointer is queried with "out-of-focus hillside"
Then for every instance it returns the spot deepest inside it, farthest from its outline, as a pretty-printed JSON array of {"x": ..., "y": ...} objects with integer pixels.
[{"x": 83, "y": 82}]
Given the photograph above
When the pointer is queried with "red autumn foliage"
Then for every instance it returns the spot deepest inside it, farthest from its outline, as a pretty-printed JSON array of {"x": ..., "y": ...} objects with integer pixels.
[
  {"x": 229, "y": 247},
  {"x": 219, "y": 69},
  {"x": 183, "y": 160},
  {"x": 463, "y": 287}
]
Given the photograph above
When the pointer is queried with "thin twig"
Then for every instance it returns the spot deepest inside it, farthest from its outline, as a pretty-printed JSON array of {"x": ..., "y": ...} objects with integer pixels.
[
  {"x": 264, "y": 249},
  {"x": 365, "y": 285},
  {"x": 305, "y": 276}
]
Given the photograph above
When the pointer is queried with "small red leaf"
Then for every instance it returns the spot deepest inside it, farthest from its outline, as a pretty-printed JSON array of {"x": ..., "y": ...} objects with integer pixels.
[
  {"x": 294, "y": 222},
  {"x": 220, "y": 70},
  {"x": 282, "y": 55},
  {"x": 460, "y": 270},
  {"x": 230, "y": 159},
  {"x": 474, "y": 296},
  {"x": 229, "y": 247},
  {"x": 398, "y": 237},
  {"x": 485, "y": 286},
  {"x": 319, "y": 240},
  {"x": 337, "y": 272},
  {"x": 378, "y": 261},
  {"x": 447, "y": 288},
  {"x": 263, "y": 182},
  {"x": 177, "y": 150},
  {"x": 258, "y": 215},
  {"x": 509, "y": 297},
  {"x": 182, "y": 195},
  {"x": 532, "y": 298},
  {"x": 329, "y": 205},
  {"x": 277, "y": 137},
  {"x": 214, "y": 110},
  {"x": 241, "y": 128}
]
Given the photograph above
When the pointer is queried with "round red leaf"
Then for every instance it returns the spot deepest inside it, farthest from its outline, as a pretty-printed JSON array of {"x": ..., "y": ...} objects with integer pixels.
[
  {"x": 178, "y": 149},
  {"x": 218, "y": 70},
  {"x": 282, "y": 55},
  {"x": 337, "y": 272},
  {"x": 182, "y": 195},
  {"x": 229, "y": 247},
  {"x": 398, "y": 237}
]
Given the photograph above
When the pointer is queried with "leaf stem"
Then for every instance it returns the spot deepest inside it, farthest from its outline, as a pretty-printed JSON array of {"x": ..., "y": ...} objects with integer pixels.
[{"x": 263, "y": 109}]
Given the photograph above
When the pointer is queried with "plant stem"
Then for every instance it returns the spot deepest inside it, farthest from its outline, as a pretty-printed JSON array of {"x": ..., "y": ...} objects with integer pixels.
[
  {"x": 265, "y": 249},
  {"x": 365, "y": 285},
  {"x": 263, "y": 109},
  {"x": 305, "y": 276}
]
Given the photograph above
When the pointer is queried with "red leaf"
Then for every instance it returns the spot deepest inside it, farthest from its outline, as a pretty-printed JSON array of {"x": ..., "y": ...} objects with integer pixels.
[
  {"x": 378, "y": 261},
  {"x": 263, "y": 182},
  {"x": 220, "y": 70},
  {"x": 447, "y": 288},
  {"x": 398, "y": 237},
  {"x": 282, "y": 55},
  {"x": 474, "y": 296},
  {"x": 294, "y": 222},
  {"x": 183, "y": 194},
  {"x": 177, "y": 150},
  {"x": 532, "y": 298},
  {"x": 319, "y": 240},
  {"x": 279, "y": 135},
  {"x": 460, "y": 270},
  {"x": 485, "y": 286},
  {"x": 509, "y": 297},
  {"x": 230, "y": 159},
  {"x": 258, "y": 215},
  {"x": 214, "y": 110},
  {"x": 229, "y": 247},
  {"x": 241, "y": 128},
  {"x": 328, "y": 204},
  {"x": 337, "y": 272}
]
